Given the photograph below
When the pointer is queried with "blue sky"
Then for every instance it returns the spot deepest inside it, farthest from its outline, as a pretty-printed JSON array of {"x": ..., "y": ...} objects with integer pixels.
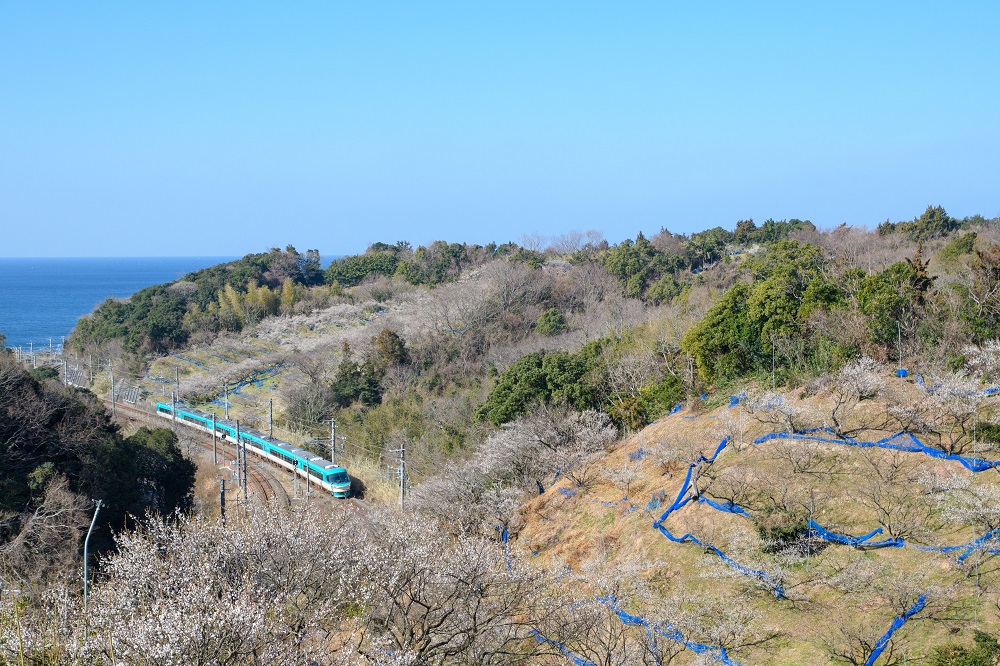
[{"x": 193, "y": 128}]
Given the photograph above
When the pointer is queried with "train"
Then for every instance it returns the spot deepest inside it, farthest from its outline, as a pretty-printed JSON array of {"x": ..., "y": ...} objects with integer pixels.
[{"x": 306, "y": 464}]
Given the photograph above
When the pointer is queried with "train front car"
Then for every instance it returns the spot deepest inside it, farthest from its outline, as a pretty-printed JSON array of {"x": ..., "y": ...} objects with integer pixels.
[{"x": 338, "y": 480}]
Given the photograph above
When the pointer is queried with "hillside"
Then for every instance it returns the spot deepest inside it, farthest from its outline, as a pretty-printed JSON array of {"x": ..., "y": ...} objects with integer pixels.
[
  {"x": 676, "y": 449},
  {"x": 787, "y": 594}
]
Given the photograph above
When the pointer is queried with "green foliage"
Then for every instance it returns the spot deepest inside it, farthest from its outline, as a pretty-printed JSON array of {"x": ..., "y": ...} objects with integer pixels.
[
  {"x": 660, "y": 397},
  {"x": 891, "y": 296},
  {"x": 166, "y": 477},
  {"x": 709, "y": 246},
  {"x": 980, "y": 296},
  {"x": 958, "y": 246},
  {"x": 541, "y": 377},
  {"x": 349, "y": 271},
  {"x": 356, "y": 383},
  {"x": 227, "y": 296},
  {"x": 40, "y": 476},
  {"x": 391, "y": 348},
  {"x": 985, "y": 652},
  {"x": 48, "y": 432},
  {"x": 551, "y": 322},
  {"x": 434, "y": 264},
  {"x": 43, "y": 373},
  {"x": 933, "y": 223},
  {"x": 780, "y": 530},
  {"x": 638, "y": 264},
  {"x": 666, "y": 289},
  {"x": 735, "y": 337},
  {"x": 771, "y": 231},
  {"x": 725, "y": 344}
]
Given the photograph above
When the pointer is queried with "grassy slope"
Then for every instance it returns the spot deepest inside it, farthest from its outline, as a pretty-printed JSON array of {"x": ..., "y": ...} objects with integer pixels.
[{"x": 578, "y": 529}]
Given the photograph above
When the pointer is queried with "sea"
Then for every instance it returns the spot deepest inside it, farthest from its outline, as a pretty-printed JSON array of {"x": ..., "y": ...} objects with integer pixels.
[{"x": 41, "y": 299}]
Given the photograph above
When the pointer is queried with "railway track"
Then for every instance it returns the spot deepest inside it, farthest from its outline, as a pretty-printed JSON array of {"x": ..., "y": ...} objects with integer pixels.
[{"x": 259, "y": 476}]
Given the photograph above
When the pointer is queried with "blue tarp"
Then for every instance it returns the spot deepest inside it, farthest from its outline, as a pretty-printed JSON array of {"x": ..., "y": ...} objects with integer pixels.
[
  {"x": 579, "y": 661},
  {"x": 682, "y": 499},
  {"x": 909, "y": 443},
  {"x": 896, "y": 624},
  {"x": 638, "y": 455},
  {"x": 196, "y": 363},
  {"x": 668, "y": 632},
  {"x": 863, "y": 541},
  {"x": 728, "y": 507}
]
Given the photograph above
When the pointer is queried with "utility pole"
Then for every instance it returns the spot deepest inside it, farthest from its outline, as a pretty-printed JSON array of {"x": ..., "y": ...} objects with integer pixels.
[
  {"x": 215, "y": 444},
  {"x": 86, "y": 580},
  {"x": 173, "y": 406},
  {"x": 65, "y": 372},
  {"x": 740, "y": 405},
  {"x": 772, "y": 363},
  {"x": 112, "y": 371},
  {"x": 402, "y": 474},
  {"x": 243, "y": 451},
  {"x": 222, "y": 501},
  {"x": 333, "y": 441},
  {"x": 177, "y": 376},
  {"x": 270, "y": 418},
  {"x": 899, "y": 349},
  {"x": 225, "y": 388},
  {"x": 91, "y": 368}
]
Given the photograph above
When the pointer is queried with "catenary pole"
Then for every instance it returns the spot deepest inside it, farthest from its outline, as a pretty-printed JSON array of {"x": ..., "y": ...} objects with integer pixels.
[{"x": 333, "y": 441}]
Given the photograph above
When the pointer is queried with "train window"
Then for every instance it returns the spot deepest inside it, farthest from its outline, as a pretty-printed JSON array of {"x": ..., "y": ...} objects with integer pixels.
[{"x": 338, "y": 477}]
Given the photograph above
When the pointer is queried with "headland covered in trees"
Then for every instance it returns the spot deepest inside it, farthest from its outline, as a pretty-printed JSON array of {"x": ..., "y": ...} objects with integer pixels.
[{"x": 767, "y": 445}]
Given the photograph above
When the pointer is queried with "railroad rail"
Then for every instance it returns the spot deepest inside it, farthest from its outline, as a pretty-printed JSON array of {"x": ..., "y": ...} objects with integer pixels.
[{"x": 258, "y": 475}]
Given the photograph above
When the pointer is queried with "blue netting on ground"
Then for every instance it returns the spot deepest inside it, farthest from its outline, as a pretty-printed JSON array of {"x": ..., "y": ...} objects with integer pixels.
[
  {"x": 668, "y": 632},
  {"x": 676, "y": 409},
  {"x": 993, "y": 390},
  {"x": 636, "y": 456},
  {"x": 737, "y": 399},
  {"x": 969, "y": 548},
  {"x": 864, "y": 541},
  {"x": 896, "y": 624},
  {"x": 187, "y": 360},
  {"x": 682, "y": 499},
  {"x": 257, "y": 379},
  {"x": 653, "y": 504},
  {"x": 607, "y": 503},
  {"x": 568, "y": 492},
  {"x": 901, "y": 441},
  {"x": 728, "y": 507},
  {"x": 161, "y": 380},
  {"x": 579, "y": 661},
  {"x": 506, "y": 546}
]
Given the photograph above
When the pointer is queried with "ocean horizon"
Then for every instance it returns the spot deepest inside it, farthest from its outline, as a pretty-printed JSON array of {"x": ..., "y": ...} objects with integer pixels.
[{"x": 44, "y": 297}]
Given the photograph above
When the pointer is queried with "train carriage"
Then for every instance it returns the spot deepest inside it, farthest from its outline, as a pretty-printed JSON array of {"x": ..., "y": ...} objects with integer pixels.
[{"x": 306, "y": 464}]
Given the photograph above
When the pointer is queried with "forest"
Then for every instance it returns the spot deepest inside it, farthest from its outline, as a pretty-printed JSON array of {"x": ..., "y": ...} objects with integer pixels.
[{"x": 759, "y": 395}]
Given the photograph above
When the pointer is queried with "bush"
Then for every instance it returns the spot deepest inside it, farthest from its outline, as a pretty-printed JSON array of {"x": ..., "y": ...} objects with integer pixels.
[{"x": 551, "y": 322}]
